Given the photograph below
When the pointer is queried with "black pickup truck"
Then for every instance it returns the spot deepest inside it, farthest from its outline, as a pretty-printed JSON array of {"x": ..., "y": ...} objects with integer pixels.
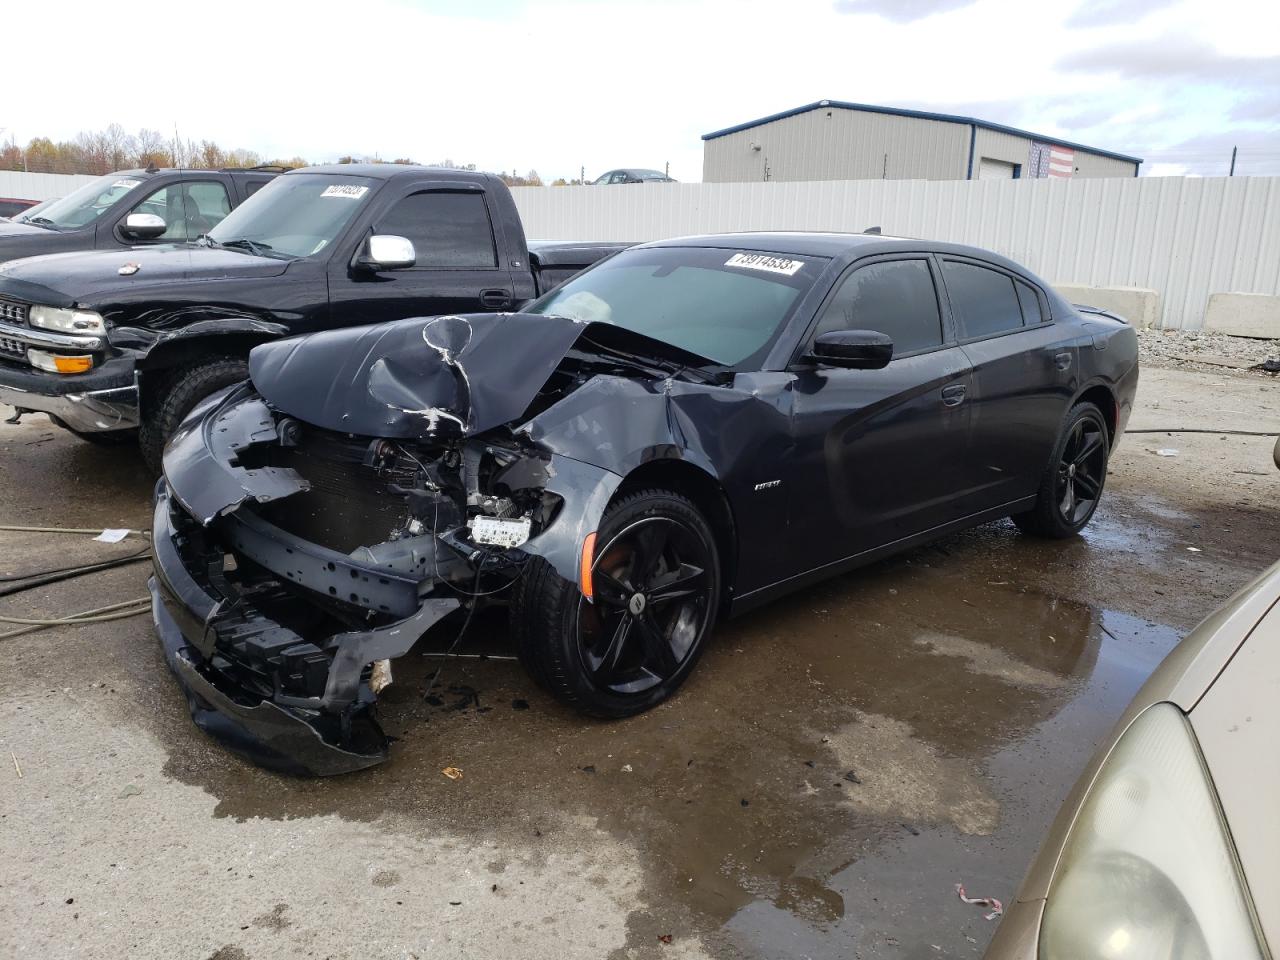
[
  {"x": 119, "y": 210},
  {"x": 124, "y": 343}
]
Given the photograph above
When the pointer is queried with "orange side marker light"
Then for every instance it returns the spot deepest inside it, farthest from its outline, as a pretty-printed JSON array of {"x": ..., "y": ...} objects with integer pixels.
[{"x": 584, "y": 569}]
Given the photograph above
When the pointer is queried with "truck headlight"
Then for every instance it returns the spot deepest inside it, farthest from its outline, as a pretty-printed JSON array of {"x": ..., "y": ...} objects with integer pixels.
[
  {"x": 1149, "y": 869},
  {"x": 65, "y": 321}
]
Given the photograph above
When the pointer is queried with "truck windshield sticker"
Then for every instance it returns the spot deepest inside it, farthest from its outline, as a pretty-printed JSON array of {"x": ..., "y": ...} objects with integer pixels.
[
  {"x": 127, "y": 183},
  {"x": 762, "y": 261},
  {"x": 348, "y": 190}
]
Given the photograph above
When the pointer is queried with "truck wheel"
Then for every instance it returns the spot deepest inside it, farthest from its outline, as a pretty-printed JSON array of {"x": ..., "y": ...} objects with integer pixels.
[
  {"x": 1071, "y": 486},
  {"x": 175, "y": 396},
  {"x": 657, "y": 586}
]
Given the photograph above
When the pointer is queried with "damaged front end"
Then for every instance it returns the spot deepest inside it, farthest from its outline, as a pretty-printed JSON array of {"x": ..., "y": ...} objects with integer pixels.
[{"x": 315, "y": 523}]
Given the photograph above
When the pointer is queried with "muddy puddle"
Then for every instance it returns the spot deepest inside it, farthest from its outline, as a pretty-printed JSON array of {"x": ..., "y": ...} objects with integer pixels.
[{"x": 839, "y": 760}]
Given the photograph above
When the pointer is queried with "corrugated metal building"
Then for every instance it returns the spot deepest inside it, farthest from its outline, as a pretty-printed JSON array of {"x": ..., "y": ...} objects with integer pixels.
[{"x": 831, "y": 140}]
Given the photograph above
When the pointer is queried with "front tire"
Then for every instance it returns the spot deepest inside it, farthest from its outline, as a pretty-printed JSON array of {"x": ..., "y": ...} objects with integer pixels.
[
  {"x": 1071, "y": 486},
  {"x": 176, "y": 395},
  {"x": 656, "y": 574}
]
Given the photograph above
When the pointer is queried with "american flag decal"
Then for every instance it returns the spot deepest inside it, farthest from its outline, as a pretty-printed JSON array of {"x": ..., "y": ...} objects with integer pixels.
[{"x": 1051, "y": 160}]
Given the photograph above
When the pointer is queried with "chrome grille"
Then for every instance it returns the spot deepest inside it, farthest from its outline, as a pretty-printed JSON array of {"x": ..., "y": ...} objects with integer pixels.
[
  {"x": 9, "y": 347},
  {"x": 13, "y": 311}
]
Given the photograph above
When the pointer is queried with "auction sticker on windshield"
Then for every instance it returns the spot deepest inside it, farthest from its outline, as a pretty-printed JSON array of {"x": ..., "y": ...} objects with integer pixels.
[
  {"x": 762, "y": 261},
  {"x": 127, "y": 183},
  {"x": 348, "y": 190}
]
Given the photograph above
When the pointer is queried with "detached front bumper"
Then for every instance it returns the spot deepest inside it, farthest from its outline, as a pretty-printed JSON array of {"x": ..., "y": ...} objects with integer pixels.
[
  {"x": 207, "y": 637},
  {"x": 105, "y": 398}
]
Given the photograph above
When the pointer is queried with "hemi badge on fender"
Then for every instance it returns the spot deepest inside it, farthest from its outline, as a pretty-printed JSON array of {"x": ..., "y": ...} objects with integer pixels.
[{"x": 768, "y": 484}]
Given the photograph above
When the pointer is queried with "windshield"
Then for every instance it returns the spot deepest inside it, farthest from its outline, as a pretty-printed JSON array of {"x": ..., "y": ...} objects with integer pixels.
[
  {"x": 727, "y": 305},
  {"x": 84, "y": 206},
  {"x": 297, "y": 215}
]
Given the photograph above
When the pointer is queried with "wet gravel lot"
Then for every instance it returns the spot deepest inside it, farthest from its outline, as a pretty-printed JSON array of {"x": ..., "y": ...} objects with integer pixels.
[{"x": 837, "y": 763}]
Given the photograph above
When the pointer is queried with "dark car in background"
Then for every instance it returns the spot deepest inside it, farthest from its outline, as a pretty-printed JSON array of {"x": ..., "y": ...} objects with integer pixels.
[
  {"x": 11, "y": 207},
  {"x": 131, "y": 207},
  {"x": 121, "y": 344},
  {"x": 632, "y": 175},
  {"x": 685, "y": 431}
]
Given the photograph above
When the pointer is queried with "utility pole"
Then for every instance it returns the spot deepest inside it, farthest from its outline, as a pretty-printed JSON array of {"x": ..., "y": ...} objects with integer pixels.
[
  {"x": 667, "y": 171},
  {"x": 582, "y": 175},
  {"x": 1232, "y": 173}
]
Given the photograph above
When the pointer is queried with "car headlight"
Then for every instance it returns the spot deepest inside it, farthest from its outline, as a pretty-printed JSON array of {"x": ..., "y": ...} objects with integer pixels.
[
  {"x": 65, "y": 321},
  {"x": 1149, "y": 870}
]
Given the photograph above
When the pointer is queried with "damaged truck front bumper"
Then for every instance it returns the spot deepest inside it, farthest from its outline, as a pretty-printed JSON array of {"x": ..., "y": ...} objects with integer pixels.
[{"x": 275, "y": 626}]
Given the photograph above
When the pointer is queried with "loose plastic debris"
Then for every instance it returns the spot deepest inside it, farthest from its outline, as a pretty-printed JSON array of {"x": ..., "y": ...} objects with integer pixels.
[
  {"x": 997, "y": 908},
  {"x": 1167, "y": 452},
  {"x": 111, "y": 535}
]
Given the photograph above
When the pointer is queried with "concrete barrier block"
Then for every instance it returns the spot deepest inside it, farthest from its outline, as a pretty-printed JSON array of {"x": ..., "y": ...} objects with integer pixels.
[
  {"x": 1138, "y": 305},
  {"x": 1244, "y": 315}
]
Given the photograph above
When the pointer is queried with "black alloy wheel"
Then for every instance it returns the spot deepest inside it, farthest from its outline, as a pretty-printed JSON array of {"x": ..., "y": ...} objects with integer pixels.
[
  {"x": 1071, "y": 486},
  {"x": 656, "y": 591},
  {"x": 652, "y": 603},
  {"x": 1082, "y": 470}
]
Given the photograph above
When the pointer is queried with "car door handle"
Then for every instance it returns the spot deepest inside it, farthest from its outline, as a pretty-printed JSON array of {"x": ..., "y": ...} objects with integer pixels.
[
  {"x": 495, "y": 299},
  {"x": 953, "y": 395},
  {"x": 1062, "y": 360}
]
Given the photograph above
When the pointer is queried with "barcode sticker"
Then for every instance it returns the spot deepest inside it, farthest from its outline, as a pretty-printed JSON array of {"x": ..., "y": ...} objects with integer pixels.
[
  {"x": 762, "y": 261},
  {"x": 350, "y": 191}
]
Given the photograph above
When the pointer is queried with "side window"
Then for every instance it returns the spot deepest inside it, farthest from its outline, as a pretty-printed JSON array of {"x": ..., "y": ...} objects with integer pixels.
[
  {"x": 207, "y": 204},
  {"x": 448, "y": 230},
  {"x": 253, "y": 186},
  {"x": 983, "y": 300},
  {"x": 894, "y": 297},
  {"x": 189, "y": 210},
  {"x": 1030, "y": 303}
]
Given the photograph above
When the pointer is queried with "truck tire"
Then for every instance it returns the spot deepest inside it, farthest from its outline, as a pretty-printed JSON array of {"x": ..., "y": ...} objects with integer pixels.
[
  {"x": 657, "y": 589},
  {"x": 174, "y": 397},
  {"x": 1071, "y": 485}
]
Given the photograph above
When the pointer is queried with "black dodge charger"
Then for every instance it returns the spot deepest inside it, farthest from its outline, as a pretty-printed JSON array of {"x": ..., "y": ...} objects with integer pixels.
[{"x": 685, "y": 431}]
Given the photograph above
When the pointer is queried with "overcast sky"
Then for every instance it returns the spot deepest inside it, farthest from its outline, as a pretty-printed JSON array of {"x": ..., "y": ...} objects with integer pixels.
[{"x": 559, "y": 84}]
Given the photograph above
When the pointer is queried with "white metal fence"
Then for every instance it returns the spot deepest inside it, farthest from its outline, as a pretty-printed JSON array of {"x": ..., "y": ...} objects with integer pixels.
[
  {"x": 1184, "y": 237},
  {"x": 38, "y": 186}
]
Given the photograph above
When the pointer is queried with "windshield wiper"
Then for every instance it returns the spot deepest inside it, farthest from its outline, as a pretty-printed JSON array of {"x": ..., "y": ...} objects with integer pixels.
[
  {"x": 41, "y": 222},
  {"x": 253, "y": 246}
]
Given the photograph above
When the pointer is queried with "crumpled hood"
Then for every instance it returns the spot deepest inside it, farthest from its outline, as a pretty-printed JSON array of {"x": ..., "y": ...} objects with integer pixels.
[
  {"x": 423, "y": 377},
  {"x": 88, "y": 275}
]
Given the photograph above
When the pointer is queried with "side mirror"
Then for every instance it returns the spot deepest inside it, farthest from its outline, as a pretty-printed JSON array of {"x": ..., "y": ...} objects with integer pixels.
[
  {"x": 387, "y": 252},
  {"x": 857, "y": 349},
  {"x": 143, "y": 226}
]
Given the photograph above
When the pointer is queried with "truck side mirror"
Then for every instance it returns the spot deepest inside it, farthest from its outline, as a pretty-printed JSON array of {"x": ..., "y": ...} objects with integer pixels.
[
  {"x": 857, "y": 349},
  {"x": 143, "y": 226},
  {"x": 387, "y": 252}
]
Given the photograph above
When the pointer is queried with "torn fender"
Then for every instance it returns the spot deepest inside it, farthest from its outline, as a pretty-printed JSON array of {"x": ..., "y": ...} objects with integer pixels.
[
  {"x": 586, "y": 491},
  {"x": 201, "y": 460}
]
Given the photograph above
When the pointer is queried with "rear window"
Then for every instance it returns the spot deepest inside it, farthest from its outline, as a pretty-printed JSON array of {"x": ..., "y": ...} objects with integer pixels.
[
  {"x": 1030, "y": 302},
  {"x": 726, "y": 305},
  {"x": 448, "y": 230},
  {"x": 984, "y": 301}
]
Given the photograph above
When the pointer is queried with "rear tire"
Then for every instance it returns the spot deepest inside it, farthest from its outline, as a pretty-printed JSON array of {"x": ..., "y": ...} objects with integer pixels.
[
  {"x": 1072, "y": 483},
  {"x": 657, "y": 587},
  {"x": 175, "y": 396}
]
